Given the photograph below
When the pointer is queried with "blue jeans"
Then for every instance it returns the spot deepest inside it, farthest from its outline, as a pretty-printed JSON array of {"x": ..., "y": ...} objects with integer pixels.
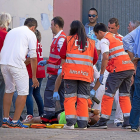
[
  {"x": 135, "y": 111},
  {"x": 36, "y": 93},
  {"x": 2, "y": 90}
]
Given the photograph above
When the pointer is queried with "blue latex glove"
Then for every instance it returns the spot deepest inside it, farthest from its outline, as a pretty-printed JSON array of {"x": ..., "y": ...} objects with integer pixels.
[
  {"x": 101, "y": 78},
  {"x": 56, "y": 96},
  {"x": 92, "y": 93},
  {"x": 42, "y": 63},
  {"x": 59, "y": 71}
]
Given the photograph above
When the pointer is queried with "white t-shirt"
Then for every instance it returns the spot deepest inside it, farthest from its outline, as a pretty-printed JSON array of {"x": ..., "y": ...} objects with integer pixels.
[
  {"x": 17, "y": 43},
  {"x": 104, "y": 45},
  {"x": 96, "y": 75}
]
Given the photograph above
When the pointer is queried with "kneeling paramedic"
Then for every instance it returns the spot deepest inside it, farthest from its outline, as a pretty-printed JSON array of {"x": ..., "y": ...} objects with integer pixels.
[{"x": 120, "y": 68}]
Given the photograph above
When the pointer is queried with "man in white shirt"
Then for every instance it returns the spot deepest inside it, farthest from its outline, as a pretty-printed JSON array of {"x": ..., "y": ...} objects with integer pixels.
[{"x": 18, "y": 42}]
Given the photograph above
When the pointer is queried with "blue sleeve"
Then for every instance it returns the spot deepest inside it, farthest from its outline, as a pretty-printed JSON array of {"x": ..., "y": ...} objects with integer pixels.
[{"x": 129, "y": 41}]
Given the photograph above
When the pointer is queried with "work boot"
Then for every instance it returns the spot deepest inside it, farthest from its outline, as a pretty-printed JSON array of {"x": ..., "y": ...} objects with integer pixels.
[
  {"x": 101, "y": 124},
  {"x": 126, "y": 124}
]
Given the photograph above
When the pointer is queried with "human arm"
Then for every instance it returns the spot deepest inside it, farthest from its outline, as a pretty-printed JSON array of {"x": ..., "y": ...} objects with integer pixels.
[
  {"x": 105, "y": 56},
  {"x": 104, "y": 62},
  {"x": 97, "y": 84},
  {"x": 98, "y": 52},
  {"x": 128, "y": 41},
  {"x": 96, "y": 76},
  {"x": 33, "y": 59},
  {"x": 59, "y": 78},
  {"x": 63, "y": 50},
  {"x": 60, "y": 43},
  {"x": 34, "y": 67}
]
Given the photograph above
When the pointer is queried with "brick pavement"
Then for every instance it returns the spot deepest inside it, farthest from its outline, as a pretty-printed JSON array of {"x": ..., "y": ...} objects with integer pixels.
[{"x": 56, "y": 134}]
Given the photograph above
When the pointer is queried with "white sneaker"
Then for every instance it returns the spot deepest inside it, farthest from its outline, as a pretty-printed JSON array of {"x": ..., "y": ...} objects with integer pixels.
[
  {"x": 28, "y": 118},
  {"x": 68, "y": 127}
]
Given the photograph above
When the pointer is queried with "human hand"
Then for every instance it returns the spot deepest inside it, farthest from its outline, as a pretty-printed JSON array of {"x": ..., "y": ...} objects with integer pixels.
[
  {"x": 101, "y": 78},
  {"x": 92, "y": 93},
  {"x": 59, "y": 71},
  {"x": 132, "y": 80},
  {"x": 35, "y": 82},
  {"x": 42, "y": 63},
  {"x": 56, "y": 96},
  {"x": 96, "y": 112}
]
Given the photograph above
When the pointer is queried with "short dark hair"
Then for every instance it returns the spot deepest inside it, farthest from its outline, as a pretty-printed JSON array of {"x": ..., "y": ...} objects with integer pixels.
[
  {"x": 30, "y": 22},
  {"x": 38, "y": 35},
  {"x": 94, "y": 10},
  {"x": 100, "y": 27},
  {"x": 114, "y": 20},
  {"x": 59, "y": 21}
]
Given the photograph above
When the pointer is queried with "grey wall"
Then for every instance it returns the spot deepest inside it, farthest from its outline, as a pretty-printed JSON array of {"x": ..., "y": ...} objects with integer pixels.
[{"x": 124, "y": 10}]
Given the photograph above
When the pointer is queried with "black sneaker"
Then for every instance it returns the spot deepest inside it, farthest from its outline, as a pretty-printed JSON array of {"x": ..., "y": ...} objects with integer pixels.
[
  {"x": 126, "y": 124},
  {"x": 97, "y": 125},
  {"x": 101, "y": 124}
]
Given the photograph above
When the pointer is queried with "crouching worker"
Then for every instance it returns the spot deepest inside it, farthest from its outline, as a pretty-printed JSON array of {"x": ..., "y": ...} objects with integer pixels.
[{"x": 77, "y": 71}]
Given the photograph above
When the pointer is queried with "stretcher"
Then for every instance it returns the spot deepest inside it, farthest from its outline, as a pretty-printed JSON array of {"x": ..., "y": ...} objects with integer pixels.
[{"x": 40, "y": 126}]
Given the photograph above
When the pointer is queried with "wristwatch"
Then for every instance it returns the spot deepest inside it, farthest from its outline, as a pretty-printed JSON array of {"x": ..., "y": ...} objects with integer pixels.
[{"x": 60, "y": 67}]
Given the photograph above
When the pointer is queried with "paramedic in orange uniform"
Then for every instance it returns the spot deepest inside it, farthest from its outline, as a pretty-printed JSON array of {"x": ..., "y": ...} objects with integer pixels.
[
  {"x": 120, "y": 68},
  {"x": 80, "y": 55}
]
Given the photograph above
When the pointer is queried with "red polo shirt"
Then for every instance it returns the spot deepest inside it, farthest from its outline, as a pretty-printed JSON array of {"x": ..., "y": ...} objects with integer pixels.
[
  {"x": 3, "y": 33},
  {"x": 64, "y": 49}
]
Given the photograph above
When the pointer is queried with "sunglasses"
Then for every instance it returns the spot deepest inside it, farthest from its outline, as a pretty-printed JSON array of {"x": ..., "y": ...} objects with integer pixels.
[{"x": 89, "y": 15}]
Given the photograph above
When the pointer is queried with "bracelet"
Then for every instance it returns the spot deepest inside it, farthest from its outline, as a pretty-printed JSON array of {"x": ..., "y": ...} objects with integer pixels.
[
  {"x": 92, "y": 110},
  {"x": 133, "y": 59}
]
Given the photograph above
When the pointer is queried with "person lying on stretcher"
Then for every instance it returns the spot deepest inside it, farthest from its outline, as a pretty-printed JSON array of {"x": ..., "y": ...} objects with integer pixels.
[{"x": 59, "y": 118}]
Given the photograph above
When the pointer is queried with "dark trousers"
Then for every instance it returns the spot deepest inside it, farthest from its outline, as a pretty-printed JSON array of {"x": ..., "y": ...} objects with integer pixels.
[
  {"x": 49, "y": 103},
  {"x": 135, "y": 111}
]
